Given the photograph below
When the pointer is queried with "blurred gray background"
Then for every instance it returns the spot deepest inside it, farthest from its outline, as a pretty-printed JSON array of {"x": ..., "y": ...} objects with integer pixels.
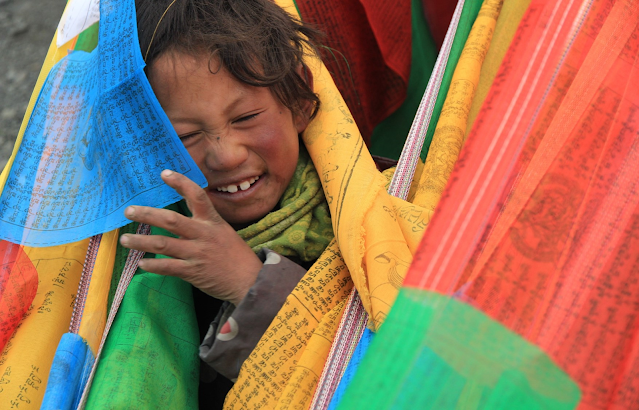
[{"x": 26, "y": 30}]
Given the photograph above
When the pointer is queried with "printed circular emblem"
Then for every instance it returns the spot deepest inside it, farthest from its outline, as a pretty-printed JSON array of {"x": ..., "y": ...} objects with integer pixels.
[
  {"x": 229, "y": 330},
  {"x": 544, "y": 224}
]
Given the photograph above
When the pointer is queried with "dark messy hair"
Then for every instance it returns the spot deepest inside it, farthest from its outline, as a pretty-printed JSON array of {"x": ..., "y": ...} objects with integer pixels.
[{"x": 255, "y": 40}]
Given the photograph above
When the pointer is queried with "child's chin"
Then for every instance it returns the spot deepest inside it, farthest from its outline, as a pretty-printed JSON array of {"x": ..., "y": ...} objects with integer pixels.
[{"x": 245, "y": 219}]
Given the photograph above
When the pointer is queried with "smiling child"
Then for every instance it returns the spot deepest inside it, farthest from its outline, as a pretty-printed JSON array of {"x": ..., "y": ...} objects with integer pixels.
[{"x": 238, "y": 107}]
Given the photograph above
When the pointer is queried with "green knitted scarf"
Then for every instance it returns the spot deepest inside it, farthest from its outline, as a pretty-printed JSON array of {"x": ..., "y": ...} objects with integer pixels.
[{"x": 301, "y": 227}]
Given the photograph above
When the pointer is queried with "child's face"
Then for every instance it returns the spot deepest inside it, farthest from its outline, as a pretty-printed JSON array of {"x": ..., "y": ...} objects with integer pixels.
[{"x": 242, "y": 138}]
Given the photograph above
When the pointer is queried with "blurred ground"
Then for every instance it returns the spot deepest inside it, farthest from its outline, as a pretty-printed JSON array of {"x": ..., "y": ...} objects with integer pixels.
[{"x": 26, "y": 30}]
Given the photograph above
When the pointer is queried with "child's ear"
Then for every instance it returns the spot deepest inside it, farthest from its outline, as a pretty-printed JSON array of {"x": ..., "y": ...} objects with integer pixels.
[{"x": 302, "y": 120}]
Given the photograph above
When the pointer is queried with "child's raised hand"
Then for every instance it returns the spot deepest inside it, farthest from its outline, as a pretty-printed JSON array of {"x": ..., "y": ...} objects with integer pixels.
[{"x": 209, "y": 254}]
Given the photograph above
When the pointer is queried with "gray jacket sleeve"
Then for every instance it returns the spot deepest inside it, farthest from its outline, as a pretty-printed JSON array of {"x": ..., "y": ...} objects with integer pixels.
[{"x": 235, "y": 331}]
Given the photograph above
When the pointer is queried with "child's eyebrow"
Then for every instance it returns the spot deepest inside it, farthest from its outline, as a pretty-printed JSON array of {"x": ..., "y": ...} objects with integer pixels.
[{"x": 228, "y": 108}]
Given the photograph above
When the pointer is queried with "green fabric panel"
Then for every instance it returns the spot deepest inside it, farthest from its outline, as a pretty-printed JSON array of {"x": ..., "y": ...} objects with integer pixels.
[
  {"x": 88, "y": 39},
  {"x": 389, "y": 136},
  {"x": 150, "y": 359},
  {"x": 436, "y": 352},
  {"x": 466, "y": 20}
]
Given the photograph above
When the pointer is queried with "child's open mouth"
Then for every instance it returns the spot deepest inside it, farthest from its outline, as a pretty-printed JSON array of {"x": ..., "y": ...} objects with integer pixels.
[{"x": 242, "y": 186}]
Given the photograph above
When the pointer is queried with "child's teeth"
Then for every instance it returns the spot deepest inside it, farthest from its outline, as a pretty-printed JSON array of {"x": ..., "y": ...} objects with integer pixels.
[{"x": 243, "y": 186}]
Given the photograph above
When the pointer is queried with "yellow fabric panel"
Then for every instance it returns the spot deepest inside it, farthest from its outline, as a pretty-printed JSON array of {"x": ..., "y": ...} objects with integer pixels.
[
  {"x": 298, "y": 392},
  {"x": 26, "y": 360},
  {"x": 300, "y": 335},
  {"x": 451, "y": 129},
  {"x": 411, "y": 217},
  {"x": 27, "y": 357},
  {"x": 363, "y": 215},
  {"x": 376, "y": 236},
  {"x": 95, "y": 314},
  {"x": 511, "y": 14}
]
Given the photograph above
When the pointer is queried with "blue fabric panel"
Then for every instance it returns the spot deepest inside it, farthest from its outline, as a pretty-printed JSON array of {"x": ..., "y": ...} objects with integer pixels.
[{"x": 96, "y": 142}]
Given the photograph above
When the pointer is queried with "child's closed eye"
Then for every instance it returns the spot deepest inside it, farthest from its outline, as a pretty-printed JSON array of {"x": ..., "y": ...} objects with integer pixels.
[
  {"x": 191, "y": 135},
  {"x": 245, "y": 118}
]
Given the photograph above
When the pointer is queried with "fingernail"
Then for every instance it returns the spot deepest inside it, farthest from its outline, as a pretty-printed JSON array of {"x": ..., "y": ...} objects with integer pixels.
[
  {"x": 124, "y": 240},
  {"x": 129, "y": 212},
  {"x": 167, "y": 173}
]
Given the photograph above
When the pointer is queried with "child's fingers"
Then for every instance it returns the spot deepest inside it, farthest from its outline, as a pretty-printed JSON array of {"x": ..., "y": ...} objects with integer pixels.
[
  {"x": 163, "y": 266},
  {"x": 163, "y": 245},
  {"x": 196, "y": 198},
  {"x": 172, "y": 221}
]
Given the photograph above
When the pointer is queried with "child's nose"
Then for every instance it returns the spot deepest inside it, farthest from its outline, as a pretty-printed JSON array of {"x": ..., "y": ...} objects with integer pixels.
[{"x": 223, "y": 153}]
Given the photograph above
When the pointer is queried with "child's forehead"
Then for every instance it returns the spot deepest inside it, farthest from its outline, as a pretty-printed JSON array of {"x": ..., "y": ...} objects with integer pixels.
[
  {"x": 177, "y": 69},
  {"x": 180, "y": 80},
  {"x": 178, "y": 63}
]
